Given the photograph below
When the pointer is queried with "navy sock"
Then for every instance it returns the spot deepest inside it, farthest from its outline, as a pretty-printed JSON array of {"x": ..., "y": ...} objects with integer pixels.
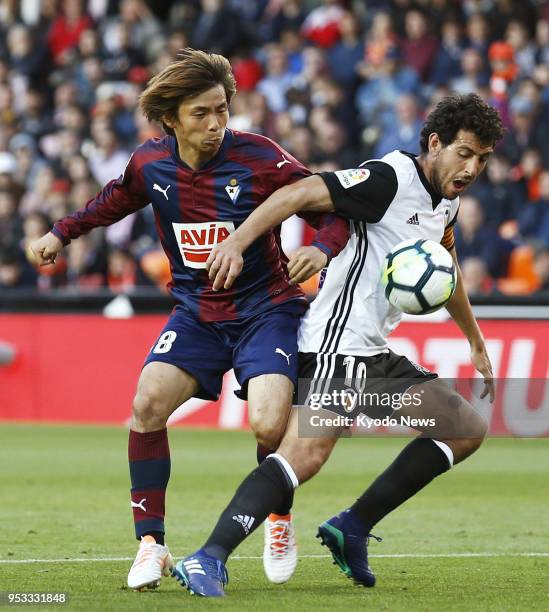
[
  {"x": 419, "y": 463},
  {"x": 263, "y": 489},
  {"x": 149, "y": 457}
]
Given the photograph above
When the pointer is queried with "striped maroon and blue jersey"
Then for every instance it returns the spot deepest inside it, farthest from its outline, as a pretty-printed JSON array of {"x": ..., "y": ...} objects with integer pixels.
[{"x": 196, "y": 209}]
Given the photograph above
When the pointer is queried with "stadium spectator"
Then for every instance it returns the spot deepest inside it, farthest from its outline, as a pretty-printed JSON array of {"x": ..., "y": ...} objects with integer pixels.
[
  {"x": 380, "y": 38},
  {"x": 15, "y": 271},
  {"x": 419, "y": 46},
  {"x": 500, "y": 196},
  {"x": 524, "y": 47},
  {"x": 8, "y": 170},
  {"x": 375, "y": 98},
  {"x": 280, "y": 16},
  {"x": 541, "y": 265},
  {"x": 277, "y": 80},
  {"x": 475, "y": 239},
  {"x": 105, "y": 157},
  {"x": 404, "y": 133},
  {"x": 346, "y": 54},
  {"x": 217, "y": 29},
  {"x": 533, "y": 219},
  {"x": 524, "y": 130},
  {"x": 85, "y": 265},
  {"x": 66, "y": 29},
  {"x": 122, "y": 271},
  {"x": 447, "y": 62},
  {"x": 321, "y": 26},
  {"x": 27, "y": 57},
  {"x": 37, "y": 195},
  {"x": 473, "y": 73},
  {"x": 478, "y": 33},
  {"x": 11, "y": 224},
  {"x": 476, "y": 279},
  {"x": 503, "y": 67},
  {"x": 146, "y": 32}
]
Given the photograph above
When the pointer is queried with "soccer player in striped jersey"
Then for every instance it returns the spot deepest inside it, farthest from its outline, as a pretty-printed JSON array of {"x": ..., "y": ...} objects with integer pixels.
[
  {"x": 203, "y": 181},
  {"x": 399, "y": 197}
]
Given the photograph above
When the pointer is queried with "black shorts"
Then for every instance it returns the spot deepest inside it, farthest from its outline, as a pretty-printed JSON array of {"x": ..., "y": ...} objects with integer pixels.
[{"x": 375, "y": 386}]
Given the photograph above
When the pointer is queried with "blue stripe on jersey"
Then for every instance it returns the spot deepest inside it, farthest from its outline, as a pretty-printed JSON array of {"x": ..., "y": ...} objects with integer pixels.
[{"x": 252, "y": 283}]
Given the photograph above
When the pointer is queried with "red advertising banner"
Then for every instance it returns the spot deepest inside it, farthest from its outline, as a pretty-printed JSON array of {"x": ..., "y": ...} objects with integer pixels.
[{"x": 83, "y": 368}]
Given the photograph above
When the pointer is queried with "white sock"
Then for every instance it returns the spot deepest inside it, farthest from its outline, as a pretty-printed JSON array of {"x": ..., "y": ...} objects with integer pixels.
[{"x": 446, "y": 450}]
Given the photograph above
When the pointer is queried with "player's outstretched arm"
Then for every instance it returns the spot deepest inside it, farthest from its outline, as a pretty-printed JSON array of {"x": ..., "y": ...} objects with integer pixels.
[
  {"x": 225, "y": 261},
  {"x": 460, "y": 310},
  {"x": 45, "y": 249}
]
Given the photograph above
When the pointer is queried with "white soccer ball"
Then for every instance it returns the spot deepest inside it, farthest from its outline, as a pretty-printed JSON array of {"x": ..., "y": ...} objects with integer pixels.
[{"x": 419, "y": 276}]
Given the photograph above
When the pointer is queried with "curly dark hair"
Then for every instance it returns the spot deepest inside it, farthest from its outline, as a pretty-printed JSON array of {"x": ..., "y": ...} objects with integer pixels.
[{"x": 470, "y": 113}]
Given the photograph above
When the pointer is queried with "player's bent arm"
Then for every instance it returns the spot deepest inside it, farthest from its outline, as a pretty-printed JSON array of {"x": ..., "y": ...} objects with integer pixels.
[
  {"x": 308, "y": 194},
  {"x": 461, "y": 312},
  {"x": 460, "y": 309},
  {"x": 225, "y": 262}
]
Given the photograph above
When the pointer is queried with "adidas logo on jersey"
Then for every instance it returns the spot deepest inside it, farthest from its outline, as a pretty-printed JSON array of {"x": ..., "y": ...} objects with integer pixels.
[
  {"x": 196, "y": 240},
  {"x": 246, "y": 522},
  {"x": 413, "y": 220}
]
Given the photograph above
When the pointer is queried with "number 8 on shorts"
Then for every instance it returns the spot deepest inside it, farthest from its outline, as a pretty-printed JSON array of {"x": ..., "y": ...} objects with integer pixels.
[{"x": 165, "y": 342}]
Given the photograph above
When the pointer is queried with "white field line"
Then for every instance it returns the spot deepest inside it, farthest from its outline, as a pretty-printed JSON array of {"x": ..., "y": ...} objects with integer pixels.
[{"x": 237, "y": 558}]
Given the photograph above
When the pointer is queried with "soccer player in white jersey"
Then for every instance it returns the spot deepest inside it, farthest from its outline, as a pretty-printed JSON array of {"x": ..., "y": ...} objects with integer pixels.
[{"x": 398, "y": 197}]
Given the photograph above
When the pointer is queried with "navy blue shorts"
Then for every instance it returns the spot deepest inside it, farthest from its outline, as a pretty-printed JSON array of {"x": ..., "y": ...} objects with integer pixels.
[{"x": 263, "y": 344}]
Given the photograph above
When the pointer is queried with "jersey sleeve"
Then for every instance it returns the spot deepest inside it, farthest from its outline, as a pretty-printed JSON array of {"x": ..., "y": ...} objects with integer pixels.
[
  {"x": 364, "y": 193},
  {"x": 448, "y": 240},
  {"x": 119, "y": 198},
  {"x": 332, "y": 232},
  {"x": 283, "y": 169}
]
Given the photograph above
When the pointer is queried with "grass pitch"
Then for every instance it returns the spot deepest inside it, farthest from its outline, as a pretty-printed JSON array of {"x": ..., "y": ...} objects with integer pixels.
[{"x": 475, "y": 539}]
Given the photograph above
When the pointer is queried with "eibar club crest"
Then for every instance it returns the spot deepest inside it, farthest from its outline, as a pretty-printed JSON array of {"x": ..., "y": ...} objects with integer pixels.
[{"x": 233, "y": 190}]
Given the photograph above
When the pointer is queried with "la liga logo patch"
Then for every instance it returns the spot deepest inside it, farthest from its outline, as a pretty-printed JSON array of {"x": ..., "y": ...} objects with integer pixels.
[{"x": 352, "y": 177}]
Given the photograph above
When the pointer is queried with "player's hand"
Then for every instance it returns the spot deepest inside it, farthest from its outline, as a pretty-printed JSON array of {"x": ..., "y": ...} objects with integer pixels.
[
  {"x": 305, "y": 262},
  {"x": 224, "y": 264},
  {"x": 45, "y": 249},
  {"x": 481, "y": 361}
]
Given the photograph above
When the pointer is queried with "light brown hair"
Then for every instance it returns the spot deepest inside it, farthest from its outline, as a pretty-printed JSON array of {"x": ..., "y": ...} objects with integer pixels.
[{"x": 193, "y": 73}]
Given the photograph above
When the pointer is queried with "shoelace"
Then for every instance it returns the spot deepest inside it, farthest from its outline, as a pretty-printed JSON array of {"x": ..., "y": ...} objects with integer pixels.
[
  {"x": 371, "y": 535},
  {"x": 280, "y": 532}
]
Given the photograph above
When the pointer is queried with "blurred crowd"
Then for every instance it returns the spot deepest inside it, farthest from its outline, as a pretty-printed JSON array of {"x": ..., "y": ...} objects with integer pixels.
[{"x": 333, "y": 82}]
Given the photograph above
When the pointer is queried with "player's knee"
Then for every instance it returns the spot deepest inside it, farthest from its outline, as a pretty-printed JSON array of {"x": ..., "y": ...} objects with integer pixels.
[
  {"x": 149, "y": 408},
  {"x": 268, "y": 426},
  {"x": 479, "y": 431},
  {"x": 267, "y": 437},
  {"x": 476, "y": 433}
]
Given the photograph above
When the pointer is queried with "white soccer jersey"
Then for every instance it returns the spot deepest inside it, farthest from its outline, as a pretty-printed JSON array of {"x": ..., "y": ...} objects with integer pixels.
[{"x": 387, "y": 201}]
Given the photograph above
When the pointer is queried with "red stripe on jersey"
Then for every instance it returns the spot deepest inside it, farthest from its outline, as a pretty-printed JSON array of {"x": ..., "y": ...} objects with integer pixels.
[{"x": 151, "y": 151}]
